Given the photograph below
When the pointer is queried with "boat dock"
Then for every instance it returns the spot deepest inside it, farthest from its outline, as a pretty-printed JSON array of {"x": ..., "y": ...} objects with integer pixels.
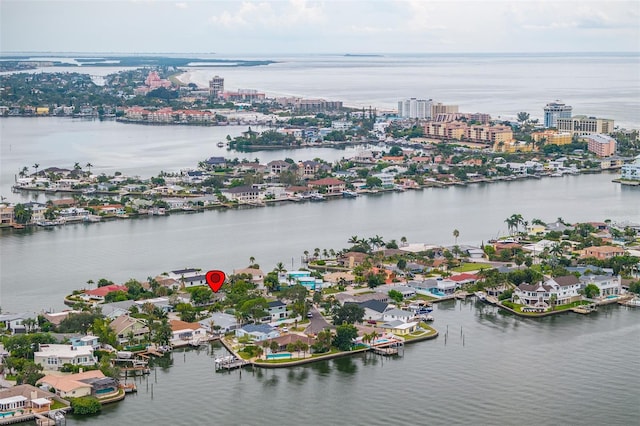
[
  {"x": 229, "y": 363},
  {"x": 585, "y": 309}
]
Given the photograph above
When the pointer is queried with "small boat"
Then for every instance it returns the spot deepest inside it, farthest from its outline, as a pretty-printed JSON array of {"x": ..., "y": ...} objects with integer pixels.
[
  {"x": 317, "y": 197},
  {"x": 427, "y": 318},
  {"x": 481, "y": 295},
  {"x": 349, "y": 194},
  {"x": 124, "y": 354}
]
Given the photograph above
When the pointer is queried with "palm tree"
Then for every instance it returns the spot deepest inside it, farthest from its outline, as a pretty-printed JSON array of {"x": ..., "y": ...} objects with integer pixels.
[
  {"x": 90, "y": 283},
  {"x": 325, "y": 253},
  {"x": 316, "y": 253},
  {"x": 36, "y": 166},
  {"x": 280, "y": 268},
  {"x": 511, "y": 224},
  {"x": 252, "y": 259},
  {"x": 353, "y": 240},
  {"x": 403, "y": 240},
  {"x": 89, "y": 166},
  {"x": 306, "y": 256},
  {"x": 456, "y": 234},
  {"x": 23, "y": 172}
]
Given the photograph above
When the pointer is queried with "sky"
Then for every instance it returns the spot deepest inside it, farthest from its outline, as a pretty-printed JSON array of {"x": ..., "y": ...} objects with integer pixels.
[{"x": 329, "y": 26}]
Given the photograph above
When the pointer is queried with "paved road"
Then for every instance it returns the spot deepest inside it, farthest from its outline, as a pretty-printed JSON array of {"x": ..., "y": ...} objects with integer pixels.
[{"x": 317, "y": 322}]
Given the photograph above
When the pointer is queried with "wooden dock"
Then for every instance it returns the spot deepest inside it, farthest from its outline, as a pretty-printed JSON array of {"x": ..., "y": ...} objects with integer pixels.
[
  {"x": 585, "y": 309},
  {"x": 228, "y": 364}
]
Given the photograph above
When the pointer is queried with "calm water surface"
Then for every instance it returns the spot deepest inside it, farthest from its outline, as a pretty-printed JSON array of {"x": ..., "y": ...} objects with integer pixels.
[{"x": 567, "y": 369}]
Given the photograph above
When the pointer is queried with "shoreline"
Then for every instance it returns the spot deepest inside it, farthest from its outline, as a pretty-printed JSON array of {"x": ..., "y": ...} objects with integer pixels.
[
  {"x": 310, "y": 360},
  {"x": 262, "y": 203}
]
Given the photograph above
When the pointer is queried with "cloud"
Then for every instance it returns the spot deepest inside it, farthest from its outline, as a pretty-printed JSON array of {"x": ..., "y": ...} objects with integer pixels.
[
  {"x": 182, "y": 5},
  {"x": 276, "y": 15}
]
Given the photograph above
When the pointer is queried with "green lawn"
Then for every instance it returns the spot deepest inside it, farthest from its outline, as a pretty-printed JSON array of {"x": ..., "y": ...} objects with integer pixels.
[
  {"x": 57, "y": 405},
  {"x": 422, "y": 297},
  {"x": 467, "y": 267}
]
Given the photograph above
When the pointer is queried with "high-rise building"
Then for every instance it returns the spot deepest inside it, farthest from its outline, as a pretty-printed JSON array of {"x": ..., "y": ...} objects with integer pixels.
[
  {"x": 216, "y": 87},
  {"x": 582, "y": 125},
  {"x": 555, "y": 110},
  {"x": 443, "y": 109},
  {"x": 415, "y": 108}
]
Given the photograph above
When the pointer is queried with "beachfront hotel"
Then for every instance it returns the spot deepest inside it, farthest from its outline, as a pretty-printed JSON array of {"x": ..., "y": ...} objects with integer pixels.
[
  {"x": 582, "y": 125},
  {"x": 555, "y": 110}
]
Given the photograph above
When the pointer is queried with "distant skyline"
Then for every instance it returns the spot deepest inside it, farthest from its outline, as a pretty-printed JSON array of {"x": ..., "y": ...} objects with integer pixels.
[{"x": 330, "y": 26}]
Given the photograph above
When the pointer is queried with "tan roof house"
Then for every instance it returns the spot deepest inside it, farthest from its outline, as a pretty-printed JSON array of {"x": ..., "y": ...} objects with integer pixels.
[
  {"x": 71, "y": 385},
  {"x": 127, "y": 327},
  {"x": 603, "y": 252}
]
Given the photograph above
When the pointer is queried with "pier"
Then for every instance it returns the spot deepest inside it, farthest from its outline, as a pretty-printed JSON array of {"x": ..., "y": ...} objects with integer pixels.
[{"x": 229, "y": 363}]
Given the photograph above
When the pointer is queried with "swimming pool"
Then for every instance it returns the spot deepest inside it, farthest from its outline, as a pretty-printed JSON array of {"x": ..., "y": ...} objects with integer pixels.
[
  {"x": 279, "y": 356},
  {"x": 612, "y": 296}
]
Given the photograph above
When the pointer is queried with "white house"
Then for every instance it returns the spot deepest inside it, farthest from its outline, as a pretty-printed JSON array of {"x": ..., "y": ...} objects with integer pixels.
[
  {"x": 186, "y": 333},
  {"x": 226, "y": 322},
  {"x": 608, "y": 284},
  {"x": 397, "y": 315},
  {"x": 53, "y": 357},
  {"x": 257, "y": 332},
  {"x": 564, "y": 289},
  {"x": 277, "y": 310}
]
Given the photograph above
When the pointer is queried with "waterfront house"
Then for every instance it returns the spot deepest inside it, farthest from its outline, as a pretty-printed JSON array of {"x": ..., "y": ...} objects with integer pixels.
[
  {"x": 631, "y": 171},
  {"x": 98, "y": 294},
  {"x": 277, "y": 310},
  {"x": 22, "y": 400},
  {"x": 243, "y": 194},
  {"x": 219, "y": 321},
  {"x": 564, "y": 289},
  {"x": 397, "y": 315},
  {"x": 127, "y": 328},
  {"x": 464, "y": 279},
  {"x": 332, "y": 185},
  {"x": 399, "y": 327},
  {"x": 283, "y": 341},
  {"x": 185, "y": 333},
  {"x": 7, "y": 217},
  {"x": 216, "y": 162},
  {"x": 602, "y": 252},
  {"x": 53, "y": 357},
  {"x": 607, "y": 284},
  {"x": 257, "y": 332},
  {"x": 352, "y": 259},
  {"x": 87, "y": 383}
]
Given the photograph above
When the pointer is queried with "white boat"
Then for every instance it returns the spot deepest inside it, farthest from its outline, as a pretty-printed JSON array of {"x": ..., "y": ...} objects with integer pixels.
[
  {"x": 220, "y": 144},
  {"x": 124, "y": 354},
  {"x": 481, "y": 295},
  {"x": 349, "y": 194}
]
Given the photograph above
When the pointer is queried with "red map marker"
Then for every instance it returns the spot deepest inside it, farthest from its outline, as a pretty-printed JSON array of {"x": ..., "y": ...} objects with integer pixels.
[{"x": 215, "y": 279}]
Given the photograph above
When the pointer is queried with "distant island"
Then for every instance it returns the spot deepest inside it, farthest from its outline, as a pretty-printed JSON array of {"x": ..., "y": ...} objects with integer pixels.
[
  {"x": 19, "y": 62},
  {"x": 363, "y": 55}
]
